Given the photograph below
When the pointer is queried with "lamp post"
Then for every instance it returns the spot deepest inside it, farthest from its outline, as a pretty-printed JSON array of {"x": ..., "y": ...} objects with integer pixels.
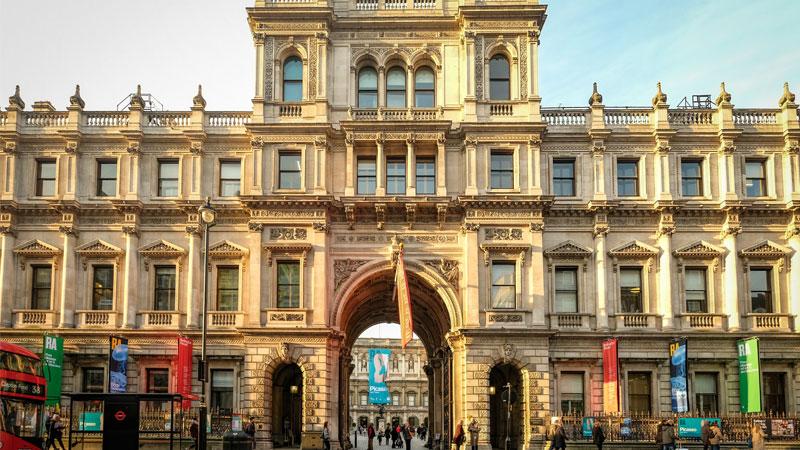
[
  {"x": 508, "y": 415},
  {"x": 208, "y": 217},
  {"x": 293, "y": 390}
]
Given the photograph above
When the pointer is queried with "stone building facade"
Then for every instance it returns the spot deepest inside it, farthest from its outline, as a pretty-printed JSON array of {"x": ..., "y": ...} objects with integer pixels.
[
  {"x": 407, "y": 383},
  {"x": 530, "y": 234}
]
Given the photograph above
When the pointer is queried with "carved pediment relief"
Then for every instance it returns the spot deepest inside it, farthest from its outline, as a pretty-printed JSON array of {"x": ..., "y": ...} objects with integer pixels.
[
  {"x": 162, "y": 250},
  {"x": 298, "y": 250},
  {"x": 36, "y": 249},
  {"x": 227, "y": 249},
  {"x": 765, "y": 250},
  {"x": 634, "y": 250},
  {"x": 568, "y": 250},
  {"x": 513, "y": 250},
  {"x": 98, "y": 249},
  {"x": 699, "y": 250}
]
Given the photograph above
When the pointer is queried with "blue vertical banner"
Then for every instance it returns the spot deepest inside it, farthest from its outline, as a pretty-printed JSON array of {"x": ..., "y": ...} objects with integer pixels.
[
  {"x": 378, "y": 371},
  {"x": 118, "y": 364},
  {"x": 678, "y": 381}
]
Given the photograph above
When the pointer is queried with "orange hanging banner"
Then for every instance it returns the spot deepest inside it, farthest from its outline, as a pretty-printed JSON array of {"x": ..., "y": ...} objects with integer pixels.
[
  {"x": 610, "y": 377},
  {"x": 403, "y": 301}
]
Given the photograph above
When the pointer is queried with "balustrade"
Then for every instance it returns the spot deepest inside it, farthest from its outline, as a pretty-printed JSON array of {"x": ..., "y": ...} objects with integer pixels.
[
  {"x": 626, "y": 117},
  {"x": 754, "y": 117},
  {"x": 168, "y": 119},
  {"x": 228, "y": 119},
  {"x": 501, "y": 109},
  {"x": 636, "y": 321},
  {"x": 394, "y": 4},
  {"x": 160, "y": 319},
  {"x": 565, "y": 320},
  {"x": 34, "y": 318},
  {"x": 106, "y": 119},
  {"x": 102, "y": 319},
  {"x": 46, "y": 119},
  {"x": 691, "y": 117},
  {"x": 564, "y": 117},
  {"x": 291, "y": 110},
  {"x": 768, "y": 322},
  {"x": 367, "y": 5},
  {"x": 225, "y": 319}
]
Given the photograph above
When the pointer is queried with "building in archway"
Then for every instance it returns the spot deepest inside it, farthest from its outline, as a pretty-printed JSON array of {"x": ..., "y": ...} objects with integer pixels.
[
  {"x": 407, "y": 383},
  {"x": 531, "y": 234}
]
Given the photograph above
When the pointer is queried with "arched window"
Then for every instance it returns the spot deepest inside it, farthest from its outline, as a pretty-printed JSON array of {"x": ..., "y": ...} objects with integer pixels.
[
  {"x": 292, "y": 79},
  {"x": 424, "y": 86},
  {"x": 499, "y": 78},
  {"x": 367, "y": 88},
  {"x": 396, "y": 88}
]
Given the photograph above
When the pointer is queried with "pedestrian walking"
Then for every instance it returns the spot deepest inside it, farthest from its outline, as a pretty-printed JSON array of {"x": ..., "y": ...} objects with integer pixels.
[
  {"x": 598, "y": 435},
  {"x": 407, "y": 435},
  {"x": 370, "y": 436},
  {"x": 380, "y": 437},
  {"x": 326, "y": 437},
  {"x": 55, "y": 433},
  {"x": 474, "y": 431},
  {"x": 194, "y": 432},
  {"x": 757, "y": 438},
  {"x": 659, "y": 430},
  {"x": 559, "y": 440},
  {"x": 458, "y": 437},
  {"x": 250, "y": 431},
  {"x": 705, "y": 432},
  {"x": 355, "y": 436},
  {"x": 715, "y": 436},
  {"x": 667, "y": 436}
]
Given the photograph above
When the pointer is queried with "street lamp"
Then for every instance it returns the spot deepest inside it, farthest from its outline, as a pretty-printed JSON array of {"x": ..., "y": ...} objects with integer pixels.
[
  {"x": 293, "y": 390},
  {"x": 208, "y": 218},
  {"x": 508, "y": 415}
]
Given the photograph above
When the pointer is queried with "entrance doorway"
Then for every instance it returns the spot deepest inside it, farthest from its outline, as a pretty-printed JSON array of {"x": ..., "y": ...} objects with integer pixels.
[
  {"x": 505, "y": 411},
  {"x": 287, "y": 406}
]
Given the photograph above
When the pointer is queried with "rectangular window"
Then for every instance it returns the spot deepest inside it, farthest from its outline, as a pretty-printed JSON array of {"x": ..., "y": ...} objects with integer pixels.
[
  {"x": 45, "y": 177},
  {"x": 227, "y": 288},
  {"x": 564, "y": 177},
  {"x": 363, "y": 398},
  {"x": 230, "y": 178},
  {"x": 168, "y": 178},
  {"x": 639, "y": 392},
  {"x": 103, "y": 288},
  {"x": 570, "y": 386},
  {"x": 504, "y": 289},
  {"x": 366, "y": 176},
  {"x": 696, "y": 297},
  {"x": 691, "y": 178},
  {"x": 106, "y": 177},
  {"x": 761, "y": 290},
  {"x": 395, "y": 399},
  {"x": 705, "y": 392},
  {"x": 396, "y": 176},
  {"x": 566, "y": 290},
  {"x": 627, "y": 178},
  {"x": 157, "y": 381},
  {"x": 289, "y": 170},
  {"x": 412, "y": 400},
  {"x": 630, "y": 290},
  {"x": 774, "y": 392},
  {"x": 426, "y": 176},
  {"x": 755, "y": 178},
  {"x": 93, "y": 379},
  {"x": 502, "y": 167},
  {"x": 222, "y": 390},
  {"x": 42, "y": 287},
  {"x": 165, "y": 288},
  {"x": 289, "y": 284}
]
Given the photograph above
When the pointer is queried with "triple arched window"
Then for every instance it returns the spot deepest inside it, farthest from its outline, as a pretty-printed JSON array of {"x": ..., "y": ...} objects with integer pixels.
[
  {"x": 396, "y": 88},
  {"x": 292, "y": 79},
  {"x": 499, "y": 78}
]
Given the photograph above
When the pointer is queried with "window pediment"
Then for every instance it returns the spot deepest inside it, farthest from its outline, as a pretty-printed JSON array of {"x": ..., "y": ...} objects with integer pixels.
[
  {"x": 699, "y": 250},
  {"x": 568, "y": 250},
  {"x": 161, "y": 250},
  {"x": 513, "y": 250},
  {"x": 299, "y": 250},
  {"x": 634, "y": 250},
  {"x": 36, "y": 249},
  {"x": 98, "y": 249},
  {"x": 765, "y": 250},
  {"x": 227, "y": 249}
]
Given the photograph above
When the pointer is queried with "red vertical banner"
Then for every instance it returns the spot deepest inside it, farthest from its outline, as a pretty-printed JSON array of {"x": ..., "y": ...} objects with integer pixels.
[
  {"x": 184, "y": 370},
  {"x": 610, "y": 377},
  {"x": 403, "y": 301}
]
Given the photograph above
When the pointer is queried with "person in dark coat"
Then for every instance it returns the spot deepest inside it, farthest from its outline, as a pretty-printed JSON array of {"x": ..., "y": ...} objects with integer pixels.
[
  {"x": 407, "y": 435},
  {"x": 194, "y": 432},
  {"x": 370, "y": 436},
  {"x": 668, "y": 436},
  {"x": 458, "y": 437},
  {"x": 559, "y": 441},
  {"x": 705, "y": 431},
  {"x": 598, "y": 435}
]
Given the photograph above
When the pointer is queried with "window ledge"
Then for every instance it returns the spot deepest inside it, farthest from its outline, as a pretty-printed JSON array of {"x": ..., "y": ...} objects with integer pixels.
[{"x": 505, "y": 318}]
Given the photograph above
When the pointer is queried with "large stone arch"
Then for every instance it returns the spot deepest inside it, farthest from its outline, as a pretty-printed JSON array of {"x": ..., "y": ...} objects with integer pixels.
[{"x": 284, "y": 355}]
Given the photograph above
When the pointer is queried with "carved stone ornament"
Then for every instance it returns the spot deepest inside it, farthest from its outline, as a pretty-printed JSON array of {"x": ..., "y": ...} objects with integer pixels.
[
  {"x": 350, "y": 214},
  {"x": 71, "y": 148},
  {"x": 503, "y": 234},
  {"x": 787, "y": 99},
  {"x": 568, "y": 250},
  {"x": 469, "y": 226},
  {"x": 441, "y": 214},
  {"x": 380, "y": 215},
  {"x": 10, "y": 147},
  {"x": 699, "y": 250},
  {"x": 766, "y": 250},
  {"x": 660, "y": 98},
  {"x": 343, "y": 268},
  {"x": 227, "y": 250},
  {"x": 299, "y": 251},
  {"x": 506, "y": 318},
  {"x": 724, "y": 97},
  {"x": 634, "y": 250},
  {"x": 257, "y": 142},
  {"x": 36, "y": 249},
  {"x": 196, "y": 148},
  {"x": 288, "y": 234},
  {"x": 287, "y": 317},
  {"x": 321, "y": 227},
  {"x": 160, "y": 250},
  {"x": 97, "y": 249},
  {"x": 513, "y": 250},
  {"x": 283, "y": 351},
  {"x": 596, "y": 98},
  {"x": 133, "y": 148},
  {"x": 508, "y": 351},
  {"x": 447, "y": 268}
]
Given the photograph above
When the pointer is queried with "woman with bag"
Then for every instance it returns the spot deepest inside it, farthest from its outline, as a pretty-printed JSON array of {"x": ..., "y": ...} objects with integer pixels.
[
  {"x": 458, "y": 437},
  {"x": 757, "y": 438}
]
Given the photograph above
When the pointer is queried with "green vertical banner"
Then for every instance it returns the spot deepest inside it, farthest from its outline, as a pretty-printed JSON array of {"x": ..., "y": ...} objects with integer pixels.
[
  {"x": 749, "y": 375},
  {"x": 53, "y": 361}
]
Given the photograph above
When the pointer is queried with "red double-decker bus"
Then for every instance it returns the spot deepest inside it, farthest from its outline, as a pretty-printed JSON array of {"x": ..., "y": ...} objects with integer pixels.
[{"x": 22, "y": 396}]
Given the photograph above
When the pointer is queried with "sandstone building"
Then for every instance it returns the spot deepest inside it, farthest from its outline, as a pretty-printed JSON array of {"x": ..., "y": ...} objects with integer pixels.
[{"x": 530, "y": 234}]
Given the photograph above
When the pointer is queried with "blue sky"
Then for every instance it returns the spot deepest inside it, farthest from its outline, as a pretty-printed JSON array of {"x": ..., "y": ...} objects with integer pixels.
[{"x": 108, "y": 46}]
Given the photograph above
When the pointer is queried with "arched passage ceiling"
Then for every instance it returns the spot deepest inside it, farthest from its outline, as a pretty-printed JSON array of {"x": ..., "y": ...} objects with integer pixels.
[{"x": 373, "y": 302}]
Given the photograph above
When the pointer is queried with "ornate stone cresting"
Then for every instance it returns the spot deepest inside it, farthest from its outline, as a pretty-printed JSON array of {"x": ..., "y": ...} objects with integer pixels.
[
  {"x": 447, "y": 268},
  {"x": 343, "y": 268}
]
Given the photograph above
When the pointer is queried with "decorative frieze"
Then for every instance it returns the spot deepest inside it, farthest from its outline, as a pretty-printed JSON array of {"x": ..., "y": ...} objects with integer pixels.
[
  {"x": 288, "y": 234},
  {"x": 503, "y": 234},
  {"x": 447, "y": 268},
  {"x": 343, "y": 268}
]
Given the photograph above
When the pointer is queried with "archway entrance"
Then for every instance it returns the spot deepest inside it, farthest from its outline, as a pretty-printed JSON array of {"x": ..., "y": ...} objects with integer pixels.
[
  {"x": 505, "y": 411},
  {"x": 287, "y": 406},
  {"x": 369, "y": 300}
]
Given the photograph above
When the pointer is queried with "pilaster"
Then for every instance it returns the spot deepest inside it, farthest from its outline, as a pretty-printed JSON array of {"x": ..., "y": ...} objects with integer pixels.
[
  {"x": 793, "y": 242},
  {"x": 441, "y": 166},
  {"x": 131, "y": 292},
  {"x": 9, "y": 171},
  {"x": 535, "y": 165},
  {"x": 666, "y": 228},
  {"x": 730, "y": 271},
  {"x": 380, "y": 167},
  {"x": 411, "y": 168},
  {"x": 7, "y": 270},
  {"x": 537, "y": 299},
  {"x": 66, "y": 296},
  {"x": 349, "y": 185},
  {"x": 319, "y": 274},
  {"x": 470, "y": 165},
  {"x": 320, "y": 165},
  {"x": 600, "y": 267},
  {"x": 254, "y": 307},
  {"x": 471, "y": 278},
  {"x": 194, "y": 273},
  {"x": 257, "y": 149}
]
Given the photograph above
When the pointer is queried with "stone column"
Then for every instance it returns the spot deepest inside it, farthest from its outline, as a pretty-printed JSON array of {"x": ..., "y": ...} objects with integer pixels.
[
  {"x": 791, "y": 173},
  {"x": 726, "y": 165},
  {"x": 132, "y": 186},
  {"x": 535, "y": 166},
  {"x": 730, "y": 271},
  {"x": 7, "y": 278},
  {"x": 600, "y": 270},
  {"x": 793, "y": 242},
  {"x": 320, "y": 165},
  {"x": 131, "y": 292},
  {"x": 9, "y": 171},
  {"x": 349, "y": 170},
  {"x": 194, "y": 277},
  {"x": 195, "y": 162},
  {"x": 257, "y": 147},
  {"x": 469, "y": 40},
  {"x": 441, "y": 166},
  {"x": 538, "y": 303},
  {"x": 599, "y": 171},
  {"x": 471, "y": 264},
  {"x": 411, "y": 168},
  {"x": 319, "y": 274},
  {"x": 665, "y": 273},
  {"x": 662, "y": 171},
  {"x": 470, "y": 163},
  {"x": 380, "y": 168},
  {"x": 322, "y": 69},
  {"x": 436, "y": 387},
  {"x": 254, "y": 306},
  {"x": 381, "y": 87},
  {"x": 68, "y": 277}
]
